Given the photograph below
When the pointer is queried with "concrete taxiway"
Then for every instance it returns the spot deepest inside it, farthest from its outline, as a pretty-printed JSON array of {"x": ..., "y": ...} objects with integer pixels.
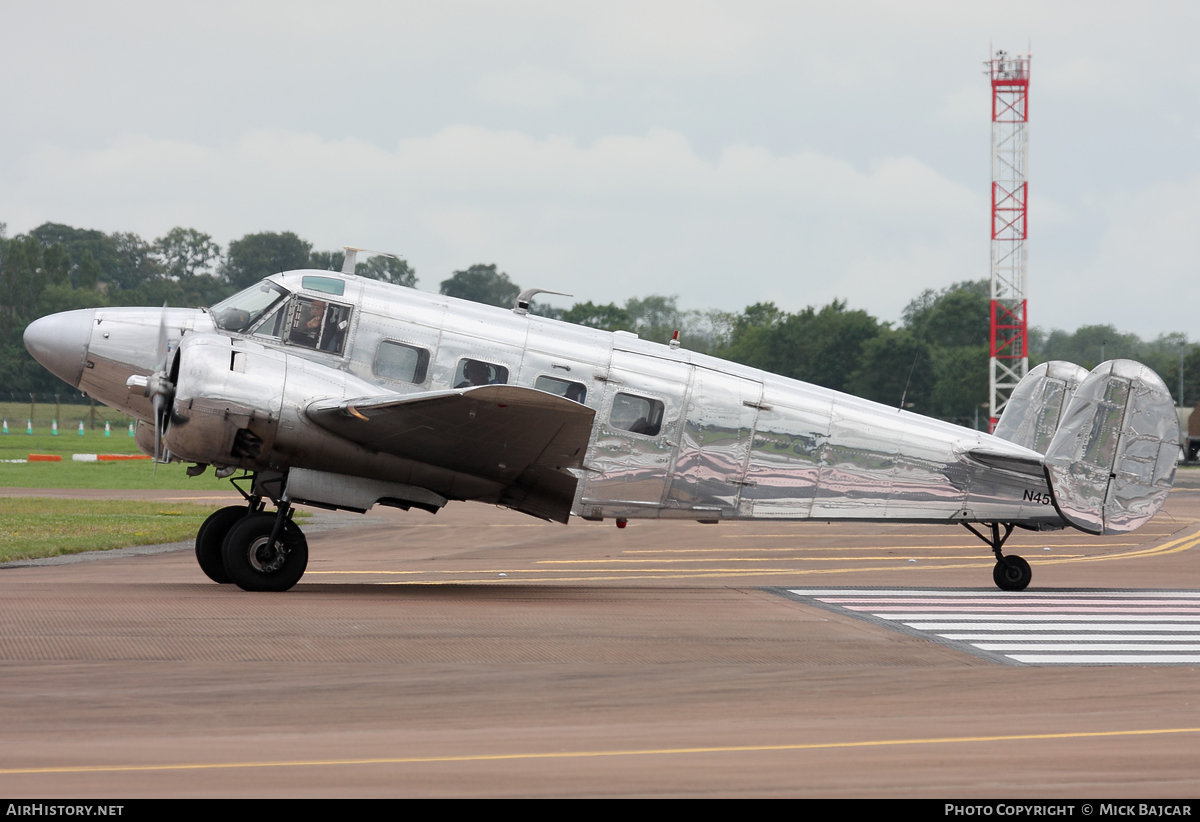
[{"x": 481, "y": 653}]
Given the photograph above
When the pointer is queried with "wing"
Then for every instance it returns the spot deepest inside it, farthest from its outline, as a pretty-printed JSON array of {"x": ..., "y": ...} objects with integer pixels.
[{"x": 522, "y": 438}]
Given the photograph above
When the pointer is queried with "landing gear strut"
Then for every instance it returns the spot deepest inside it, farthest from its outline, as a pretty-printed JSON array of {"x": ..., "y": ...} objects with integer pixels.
[
  {"x": 256, "y": 551},
  {"x": 1011, "y": 573}
]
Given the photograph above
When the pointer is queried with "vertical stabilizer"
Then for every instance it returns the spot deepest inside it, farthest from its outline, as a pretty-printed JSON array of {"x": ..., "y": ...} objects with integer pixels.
[{"x": 1035, "y": 409}]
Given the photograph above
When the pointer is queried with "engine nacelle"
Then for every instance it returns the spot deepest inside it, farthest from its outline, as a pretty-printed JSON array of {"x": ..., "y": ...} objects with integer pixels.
[
  {"x": 241, "y": 404},
  {"x": 228, "y": 398}
]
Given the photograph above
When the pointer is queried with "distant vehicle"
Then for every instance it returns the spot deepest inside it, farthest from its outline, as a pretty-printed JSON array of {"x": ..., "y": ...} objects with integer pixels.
[
  {"x": 343, "y": 392},
  {"x": 1189, "y": 431}
]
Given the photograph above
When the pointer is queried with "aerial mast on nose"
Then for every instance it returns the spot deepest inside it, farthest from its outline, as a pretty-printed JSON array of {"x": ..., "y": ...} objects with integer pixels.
[{"x": 1010, "y": 189}]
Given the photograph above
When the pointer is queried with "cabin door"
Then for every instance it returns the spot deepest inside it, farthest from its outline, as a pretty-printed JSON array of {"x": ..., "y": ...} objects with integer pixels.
[
  {"x": 710, "y": 470},
  {"x": 637, "y": 428}
]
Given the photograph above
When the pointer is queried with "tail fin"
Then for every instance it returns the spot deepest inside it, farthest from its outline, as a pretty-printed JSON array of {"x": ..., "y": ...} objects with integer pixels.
[
  {"x": 1112, "y": 461},
  {"x": 1033, "y": 411}
]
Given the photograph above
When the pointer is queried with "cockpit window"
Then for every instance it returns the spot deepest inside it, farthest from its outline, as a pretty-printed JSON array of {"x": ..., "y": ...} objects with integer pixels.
[
  {"x": 272, "y": 326},
  {"x": 244, "y": 308},
  {"x": 327, "y": 285},
  {"x": 318, "y": 324}
]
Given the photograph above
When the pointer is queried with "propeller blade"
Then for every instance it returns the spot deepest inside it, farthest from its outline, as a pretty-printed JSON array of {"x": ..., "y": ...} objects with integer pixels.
[
  {"x": 162, "y": 340},
  {"x": 160, "y": 404}
]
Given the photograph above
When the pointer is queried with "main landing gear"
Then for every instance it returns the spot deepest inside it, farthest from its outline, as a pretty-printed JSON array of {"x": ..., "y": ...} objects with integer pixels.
[
  {"x": 1011, "y": 573},
  {"x": 254, "y": 549}
]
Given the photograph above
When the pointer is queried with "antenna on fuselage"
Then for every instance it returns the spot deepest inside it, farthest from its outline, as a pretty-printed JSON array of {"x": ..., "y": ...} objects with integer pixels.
[
  {"x": 521, "y": 306},
  {"x": 352, "y": 257}
]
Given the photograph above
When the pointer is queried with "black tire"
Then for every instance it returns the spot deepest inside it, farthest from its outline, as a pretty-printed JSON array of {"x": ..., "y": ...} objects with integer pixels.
[
  {"x": 252, "y": 566},
  {"x": 1012, "y": 574},
  {"x": 210, "y": 539}
]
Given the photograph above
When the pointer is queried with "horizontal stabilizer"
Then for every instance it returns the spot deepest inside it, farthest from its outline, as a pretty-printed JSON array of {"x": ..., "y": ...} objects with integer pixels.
[
  {"x": 519, "y": 437},
  {"x": 1034, "y": 410},
  {"x": 1028, "y": 464},
  {"x": 1112, "y": 461}
]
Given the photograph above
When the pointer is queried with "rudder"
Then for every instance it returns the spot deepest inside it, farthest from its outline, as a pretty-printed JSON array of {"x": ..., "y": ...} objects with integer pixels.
[{"x": 1112, "y": 461}]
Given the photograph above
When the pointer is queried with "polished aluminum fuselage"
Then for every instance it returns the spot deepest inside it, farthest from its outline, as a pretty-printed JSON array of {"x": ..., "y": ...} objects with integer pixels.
[{"x": 735, "y": 442}]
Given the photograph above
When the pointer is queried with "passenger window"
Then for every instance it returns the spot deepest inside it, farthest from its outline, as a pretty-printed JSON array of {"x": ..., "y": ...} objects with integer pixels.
[
  {"x": 319, "y": 325},
  {"x": 406, "y": 363},
  {"x": 636, "y": 414},
  {"x": 564, "y": 388},
  {"x": 476, "y": 372}
]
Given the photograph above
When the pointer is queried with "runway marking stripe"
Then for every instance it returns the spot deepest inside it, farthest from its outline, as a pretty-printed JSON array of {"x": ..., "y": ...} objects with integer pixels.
[
  {"x": 413, "y": 760},
  {"x": 996, "y": 594},
  {"x": 1054, "y": 626},
  {"x": 1105, "y": 659},
  {"x": 1030, "y": 617},
  {"x": 1086, "y": 646},
  {"x": 968, "y": 599},
  {"x": 1182, "y": 610},
  {"x": 1142, "y": 627},
  {"x": 999, "y": 637}
]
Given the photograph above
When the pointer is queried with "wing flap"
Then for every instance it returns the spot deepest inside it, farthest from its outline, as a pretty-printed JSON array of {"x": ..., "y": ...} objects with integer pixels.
[{"x": 522, "y": 438}]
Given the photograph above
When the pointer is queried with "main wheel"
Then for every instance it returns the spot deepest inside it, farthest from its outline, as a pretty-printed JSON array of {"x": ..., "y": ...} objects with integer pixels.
[
  {"x": 253, "y": 565},
  {"x": 211, "y": 537},
  {"x": 1012, "y": 574}
]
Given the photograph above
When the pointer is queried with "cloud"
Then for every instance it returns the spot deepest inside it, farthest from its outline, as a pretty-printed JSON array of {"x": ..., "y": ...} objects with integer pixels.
[
  {"x": 529, "y": 87},
  {"x": 619, "y": 216}
]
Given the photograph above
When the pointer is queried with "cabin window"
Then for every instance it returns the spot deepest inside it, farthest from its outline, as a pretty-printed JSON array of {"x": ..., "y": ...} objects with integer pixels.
[
  {"x": 564, "y": 388},
  {"x": 326, "y": 285},
  {"x": 639, "y": 415},
  {"x": 476, "y": 372},
  {"x": 319, "y": 325},
  {"x": 405, "y": 363}
]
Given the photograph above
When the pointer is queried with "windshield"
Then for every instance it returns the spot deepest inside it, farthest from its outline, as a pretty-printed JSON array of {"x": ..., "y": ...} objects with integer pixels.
[{"x": 244, "y": 308}]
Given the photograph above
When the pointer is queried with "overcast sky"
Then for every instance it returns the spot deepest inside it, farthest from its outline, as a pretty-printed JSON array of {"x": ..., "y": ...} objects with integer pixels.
[{"x": 729, "y": 153}]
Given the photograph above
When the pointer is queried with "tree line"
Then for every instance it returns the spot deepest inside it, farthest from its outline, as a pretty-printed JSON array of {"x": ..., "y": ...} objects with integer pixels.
[{"x": 935, "y": 360}]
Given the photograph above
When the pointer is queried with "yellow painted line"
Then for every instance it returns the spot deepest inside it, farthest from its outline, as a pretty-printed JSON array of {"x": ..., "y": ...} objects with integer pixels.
[
  {"x": 904, "y": 557},
  {"x": 538, "y": 755},
  {"x": 629, "y": 575},
  {"x": 871, "y": 548},
  {"x": 1173, "y": 547}
]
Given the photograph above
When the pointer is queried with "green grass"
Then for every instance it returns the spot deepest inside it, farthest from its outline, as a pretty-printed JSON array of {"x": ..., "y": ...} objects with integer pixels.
[
  {"x": 18, "y": 444},
  {"x": 31, "y": 527},
  {"x": 69, "y": 417},
  {"x": 121, "y": 476},
  {"x": 117, "y": 476}
]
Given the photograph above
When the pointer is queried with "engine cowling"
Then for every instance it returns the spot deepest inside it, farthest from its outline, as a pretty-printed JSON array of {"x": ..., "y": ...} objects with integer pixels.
[{"x": 228, "y": 399}]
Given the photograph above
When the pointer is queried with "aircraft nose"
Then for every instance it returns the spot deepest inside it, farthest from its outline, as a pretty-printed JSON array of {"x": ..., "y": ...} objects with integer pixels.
[{"x": 60, "y": 342}]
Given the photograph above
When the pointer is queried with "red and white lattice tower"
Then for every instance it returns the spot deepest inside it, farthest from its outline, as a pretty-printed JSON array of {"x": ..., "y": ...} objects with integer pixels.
[{"x": 1010, "y": 197}]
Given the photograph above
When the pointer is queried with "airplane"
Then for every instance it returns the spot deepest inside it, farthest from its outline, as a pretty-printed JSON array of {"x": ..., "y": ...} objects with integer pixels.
[{"x": 341, "y": 392}]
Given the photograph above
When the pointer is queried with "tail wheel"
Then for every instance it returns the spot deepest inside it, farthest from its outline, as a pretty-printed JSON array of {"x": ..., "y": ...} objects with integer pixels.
[
  {"x": 1012, "y": 574},
  {"x": 253, "y": 564},
  {"x": 210, "y": 539}
]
